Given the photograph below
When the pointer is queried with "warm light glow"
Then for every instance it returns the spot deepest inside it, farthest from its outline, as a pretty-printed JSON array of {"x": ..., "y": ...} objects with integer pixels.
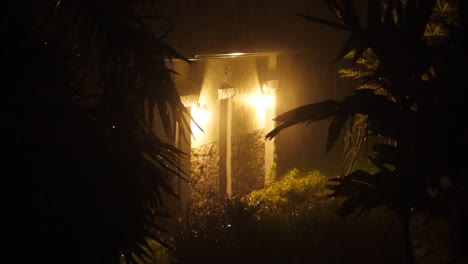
[
  {"x": 267, "y": 98},
  {"x": 200, "y": 115},
  {"x": 262, "y": 101},
  {"x": 235, "y": 54}
]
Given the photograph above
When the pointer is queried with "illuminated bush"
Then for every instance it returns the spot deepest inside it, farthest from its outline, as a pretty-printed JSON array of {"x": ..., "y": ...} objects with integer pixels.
[
  {"x": 293, "y": 194},
  {"x": 265, "y": 226},
  {"x": 291, "y": 221}
]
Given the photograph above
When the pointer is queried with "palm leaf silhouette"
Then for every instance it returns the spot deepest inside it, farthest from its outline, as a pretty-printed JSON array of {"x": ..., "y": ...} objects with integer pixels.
[{"x": 85, "y": 78}]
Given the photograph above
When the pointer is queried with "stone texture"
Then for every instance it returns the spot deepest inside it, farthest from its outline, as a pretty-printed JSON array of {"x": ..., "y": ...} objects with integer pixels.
[
  {"x": 205, "y": 171},
  {"x": 248, "y": 162}
]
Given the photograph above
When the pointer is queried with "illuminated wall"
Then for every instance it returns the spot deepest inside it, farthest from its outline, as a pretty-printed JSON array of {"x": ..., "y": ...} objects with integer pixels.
[
  {"x": 231, "y": 104},
  {"x": 239, "y": 74}
]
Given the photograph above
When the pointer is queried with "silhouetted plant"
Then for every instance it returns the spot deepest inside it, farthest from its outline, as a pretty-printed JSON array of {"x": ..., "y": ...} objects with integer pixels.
[
  {"x": 86, "y": 85},
  {"x": 216, "y": 232},
  {"x": 291, "y": 221},
  {"x": 408, "y": 97}
]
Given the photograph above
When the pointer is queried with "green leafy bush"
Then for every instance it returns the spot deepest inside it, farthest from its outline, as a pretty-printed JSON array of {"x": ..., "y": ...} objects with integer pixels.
[
  {"x": 291, "y": 221},
  {"x": 297, "y": 201},
  {"x": 246, "y": 229},
  {"x": 293, "y": 192}
]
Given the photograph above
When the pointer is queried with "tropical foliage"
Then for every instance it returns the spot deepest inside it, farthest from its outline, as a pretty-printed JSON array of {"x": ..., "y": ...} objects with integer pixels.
[
  {"x": 260, "y": 227},
  {"x": 291, "y": 221},
  {"x": 86, "y": 84},
  {"x": 410, "y": 91},
  {"x": 293, "y": 193}
]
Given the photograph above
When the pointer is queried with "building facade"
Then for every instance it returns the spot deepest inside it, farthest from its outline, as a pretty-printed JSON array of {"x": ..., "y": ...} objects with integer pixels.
[{"x": 231, "y": 98}]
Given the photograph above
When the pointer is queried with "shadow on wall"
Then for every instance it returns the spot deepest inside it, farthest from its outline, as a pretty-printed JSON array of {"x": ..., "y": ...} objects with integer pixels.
[{"x": 308, "y": 77}]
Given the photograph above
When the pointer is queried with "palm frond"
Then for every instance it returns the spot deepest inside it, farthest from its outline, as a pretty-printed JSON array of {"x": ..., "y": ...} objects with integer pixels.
[
  {"x": 305, "y": 114},
  {"x": 323, "y": 21},
  {"x": 110, "y": 172}
]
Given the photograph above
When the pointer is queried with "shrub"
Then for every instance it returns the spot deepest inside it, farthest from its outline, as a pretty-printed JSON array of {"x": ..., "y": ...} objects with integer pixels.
[
  {"x": 293, "y": 193},
  {"x": 266, "y": 226},
  {"x": 291, "y": 221}
]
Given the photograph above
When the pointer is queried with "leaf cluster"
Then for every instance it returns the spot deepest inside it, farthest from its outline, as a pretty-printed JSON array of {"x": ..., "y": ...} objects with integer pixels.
[
  {"x": 86, "y": 85},
  {"x": 408, "y": 94},
  {"x": 265, "y": 226}
]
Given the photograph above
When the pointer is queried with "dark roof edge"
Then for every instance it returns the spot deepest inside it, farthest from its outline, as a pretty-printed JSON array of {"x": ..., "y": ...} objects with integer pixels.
[
  {"x": 232, "y": 55},
  {"x": 241, "y": 54}
]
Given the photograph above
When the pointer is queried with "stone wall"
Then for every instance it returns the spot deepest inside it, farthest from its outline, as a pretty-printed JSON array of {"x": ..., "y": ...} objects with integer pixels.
[
  {"x": 205, "y": 171},
  {"x": 248, "y": 162}
]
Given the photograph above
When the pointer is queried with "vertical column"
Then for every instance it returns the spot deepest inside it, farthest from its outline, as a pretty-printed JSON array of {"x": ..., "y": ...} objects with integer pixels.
[
  {"x": 269, "y": 90},
  {"x": 225, "y": 145}
]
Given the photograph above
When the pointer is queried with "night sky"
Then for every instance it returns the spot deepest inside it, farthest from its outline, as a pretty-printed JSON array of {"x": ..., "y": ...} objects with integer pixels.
[{"x": 208, "y": 26}]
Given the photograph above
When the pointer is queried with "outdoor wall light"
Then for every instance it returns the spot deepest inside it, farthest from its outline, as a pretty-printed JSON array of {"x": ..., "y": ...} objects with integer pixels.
[
  {"x": 200, "y": 114},
  {"x": 267, "y": 96},
  {"x": 203, "y": 111}
]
